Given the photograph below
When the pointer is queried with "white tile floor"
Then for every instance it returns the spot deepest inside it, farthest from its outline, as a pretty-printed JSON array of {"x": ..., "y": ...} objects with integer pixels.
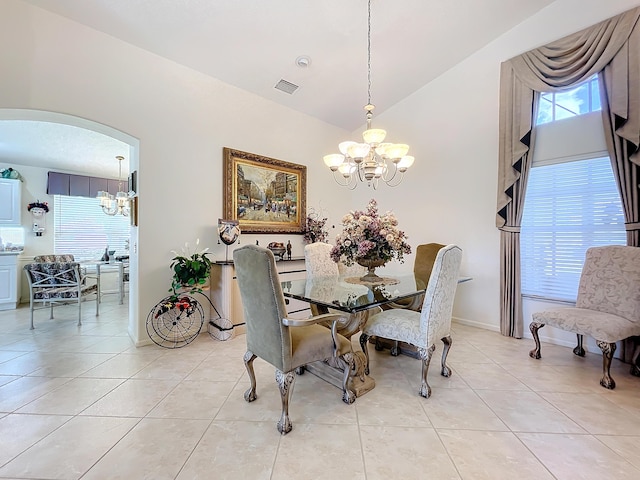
[{"x": 83, "y": 402}]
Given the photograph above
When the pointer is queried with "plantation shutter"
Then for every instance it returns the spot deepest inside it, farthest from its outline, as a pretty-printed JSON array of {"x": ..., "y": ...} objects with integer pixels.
[
  {"x": 569, "y": 207},
  {"x": 81, "y": 228}
]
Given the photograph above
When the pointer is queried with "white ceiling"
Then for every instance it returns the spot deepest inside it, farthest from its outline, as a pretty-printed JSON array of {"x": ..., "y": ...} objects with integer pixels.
[{"x": 252, "y": 44}]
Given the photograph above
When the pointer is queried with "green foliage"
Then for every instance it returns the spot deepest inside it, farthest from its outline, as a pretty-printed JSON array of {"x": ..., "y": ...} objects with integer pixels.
[{"x": 190, "y": 272}]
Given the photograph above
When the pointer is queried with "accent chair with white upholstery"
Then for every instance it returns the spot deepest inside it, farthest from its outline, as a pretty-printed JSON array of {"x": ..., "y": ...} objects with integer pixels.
[
  {"x": 607, "y": 307},
  {"x": 422, "y": 265},
  {"x": 433, "y": 322},
  {"x": 285, "y": 343},
  {"x": 318, "y": 263},
  {"x": 55, "y": 283}
]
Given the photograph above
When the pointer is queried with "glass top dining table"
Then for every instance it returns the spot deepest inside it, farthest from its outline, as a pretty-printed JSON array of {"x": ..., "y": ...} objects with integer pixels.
[{"x": 339, "y": 293}]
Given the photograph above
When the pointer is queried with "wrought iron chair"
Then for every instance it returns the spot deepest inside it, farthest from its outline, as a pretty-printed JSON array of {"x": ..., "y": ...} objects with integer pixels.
[
  {"x": 433, "y": 322},
  {"x": 285, "y": 343},
  {"x": 607, "y": 307},
  {"x": 55, "y": 283}
]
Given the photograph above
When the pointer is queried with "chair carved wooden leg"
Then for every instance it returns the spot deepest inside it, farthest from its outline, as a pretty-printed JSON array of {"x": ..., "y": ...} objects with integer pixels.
[
  {"x": 534, "y": 327},
  {"x": 446, "y": 371},
  {"x": 425, "y": 355},
  {"x": 250, "y": 394},
  {"x": 285, "y": 381},
  {"x": 395, "y": 349},
  {"x": 363, "y": 344},
  {"x": 579, "y": 351},
  {"x": 608, "y": 349}
]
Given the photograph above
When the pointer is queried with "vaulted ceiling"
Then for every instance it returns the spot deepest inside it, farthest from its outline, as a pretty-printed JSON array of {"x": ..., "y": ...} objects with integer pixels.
[{"x": 253, "y": 44}]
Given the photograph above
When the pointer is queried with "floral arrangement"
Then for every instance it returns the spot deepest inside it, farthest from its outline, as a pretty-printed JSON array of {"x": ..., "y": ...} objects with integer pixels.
[
  {"x": 39, "y": 204},
  {"x": 190, "y": 270},
  {"x": 367, "y": 235},
  {"x": 315, "y": 229}
]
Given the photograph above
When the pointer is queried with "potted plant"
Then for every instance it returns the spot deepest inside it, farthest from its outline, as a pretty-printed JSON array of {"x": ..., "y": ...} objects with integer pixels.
[{"x": 190, "y": 270}]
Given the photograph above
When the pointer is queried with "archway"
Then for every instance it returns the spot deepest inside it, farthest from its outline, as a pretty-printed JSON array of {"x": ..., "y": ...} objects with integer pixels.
[{"x": 87, "y": 130}]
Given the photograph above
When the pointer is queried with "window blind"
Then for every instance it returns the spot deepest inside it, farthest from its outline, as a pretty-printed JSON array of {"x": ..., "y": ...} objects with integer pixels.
[
  {"x": 81, "y": 228},
  {"x": 569, "y": 207}
]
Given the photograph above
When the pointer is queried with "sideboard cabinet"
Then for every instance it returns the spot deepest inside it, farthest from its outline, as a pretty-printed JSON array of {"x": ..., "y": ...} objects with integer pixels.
[{"x": 225, "y": 293}]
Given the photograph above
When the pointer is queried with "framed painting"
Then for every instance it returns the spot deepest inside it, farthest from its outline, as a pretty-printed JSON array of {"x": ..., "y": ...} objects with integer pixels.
[{"x": 263, "y": 194}]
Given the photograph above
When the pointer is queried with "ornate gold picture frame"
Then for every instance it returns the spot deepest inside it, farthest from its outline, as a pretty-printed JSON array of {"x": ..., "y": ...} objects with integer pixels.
[{"x": 263, "y": 194}]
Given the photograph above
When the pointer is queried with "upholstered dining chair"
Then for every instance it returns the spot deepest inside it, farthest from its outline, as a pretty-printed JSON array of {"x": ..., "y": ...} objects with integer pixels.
[
  {"x": 285, "y": 343},
  {"x": 55, "y": 283},
  {"x": 433, "y": 322},
  {"x": 422, "y": 266},
  {"x": 318, "y": 263},
  {"x": 607, "y": 307}
]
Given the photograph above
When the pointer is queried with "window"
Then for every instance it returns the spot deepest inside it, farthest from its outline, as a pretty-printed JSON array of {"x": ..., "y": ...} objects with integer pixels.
[
  {"x": 569, "y": 207},
  {"x": 579, "y": 100},
  {"x": 12, "y": 237},
  {"x": 84, "y": 230}
]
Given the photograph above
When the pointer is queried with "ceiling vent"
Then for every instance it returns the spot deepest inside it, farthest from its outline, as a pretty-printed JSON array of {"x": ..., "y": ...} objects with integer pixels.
[{"x": 286, "y": 87}]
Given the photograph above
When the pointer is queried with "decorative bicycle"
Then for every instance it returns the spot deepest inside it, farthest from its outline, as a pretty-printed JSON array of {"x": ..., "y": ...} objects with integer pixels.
[{"x": 176, "y": 321}]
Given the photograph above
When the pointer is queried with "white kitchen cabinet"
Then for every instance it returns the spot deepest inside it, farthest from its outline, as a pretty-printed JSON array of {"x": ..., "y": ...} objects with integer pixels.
[
  {"x": 8, "y": 281},
  {"x": 10, "y": 196}
]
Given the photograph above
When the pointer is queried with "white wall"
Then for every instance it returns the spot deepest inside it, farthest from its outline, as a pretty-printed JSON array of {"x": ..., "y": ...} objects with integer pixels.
[
  {"x": 451, "y": 124},
  {"x": 182, "y": 120}
]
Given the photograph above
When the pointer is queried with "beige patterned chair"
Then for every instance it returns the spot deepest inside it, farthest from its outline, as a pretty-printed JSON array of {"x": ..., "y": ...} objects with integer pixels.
[
  {"x": 422, "y": 265},
  {"x": 607, "y": 307},
  {"x": 433, "y": 322},
  {"x": 285, "y": 343},
  {"x": 56, "y": 283}
]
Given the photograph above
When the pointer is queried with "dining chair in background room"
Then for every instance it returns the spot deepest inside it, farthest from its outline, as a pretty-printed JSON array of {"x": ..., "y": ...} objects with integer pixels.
[
  {"x": 422, "y": 329},
  {"x": 287, "y": 344}
]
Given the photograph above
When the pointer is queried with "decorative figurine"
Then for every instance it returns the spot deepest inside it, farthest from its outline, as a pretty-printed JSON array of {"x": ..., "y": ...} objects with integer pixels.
[{"x": 289, "y": 249}]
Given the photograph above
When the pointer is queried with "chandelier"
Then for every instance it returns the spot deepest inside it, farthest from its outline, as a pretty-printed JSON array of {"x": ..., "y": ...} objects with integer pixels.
[
  {"x": 374, "y": 160},
  {"x": 118, "y": 204}
]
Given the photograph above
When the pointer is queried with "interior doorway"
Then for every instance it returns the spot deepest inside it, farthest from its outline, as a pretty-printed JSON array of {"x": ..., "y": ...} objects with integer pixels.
[{"x": 36, "y": 142}]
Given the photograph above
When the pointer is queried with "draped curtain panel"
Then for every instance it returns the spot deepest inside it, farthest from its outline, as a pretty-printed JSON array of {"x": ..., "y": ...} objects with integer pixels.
[{"x": 611, "y": 47}]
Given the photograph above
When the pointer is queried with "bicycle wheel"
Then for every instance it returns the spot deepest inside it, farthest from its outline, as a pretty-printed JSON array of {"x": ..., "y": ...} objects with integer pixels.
[{"x": 175, "y": 321}]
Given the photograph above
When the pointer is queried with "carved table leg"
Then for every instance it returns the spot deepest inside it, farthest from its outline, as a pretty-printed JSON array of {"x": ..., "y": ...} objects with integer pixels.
[
  {"x": 250, "y": 394},
  {"x": 534, "y": 327},
  {"x": 608, "y": 349},
  {"x": 285, "y": 380},
  {"x": 363, "y": 344},
  {"x": 446, "y": 371}
]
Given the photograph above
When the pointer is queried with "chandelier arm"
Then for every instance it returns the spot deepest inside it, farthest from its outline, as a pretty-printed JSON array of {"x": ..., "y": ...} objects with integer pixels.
[
  {"x": 397, "y": 183},
  {"x": 385, "y": 178},
  {"x": 344, "y": 183},
  {"x": 110, "y": 211}
]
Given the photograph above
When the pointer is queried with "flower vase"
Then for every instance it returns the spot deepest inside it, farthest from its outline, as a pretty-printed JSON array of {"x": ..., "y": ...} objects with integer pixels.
[{"x": 371, "y": 264}]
